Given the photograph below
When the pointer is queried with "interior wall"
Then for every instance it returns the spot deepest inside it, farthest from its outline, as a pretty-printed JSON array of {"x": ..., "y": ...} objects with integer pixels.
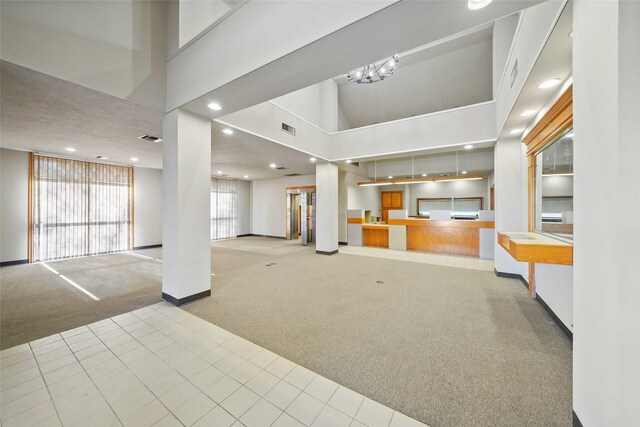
[
  {"x": 353, "y": 197},
  {"x": 444, "y": 83},
  {"x": 195, "y": 16},
  {"x": 476, "y": 188},
  {"x": 269, "y": 203},
  {"x": 554, "y": 284},
  {"x": 147, "y": 206},
  {"x": 244, "y": 207},
  {"x": 14, "y": 187},
  {"x": 504, "y": 30},
  {"x": 115, "y": 47},
  {"x": 14, "y": 208},
  {"x": 557, "y": 186}
]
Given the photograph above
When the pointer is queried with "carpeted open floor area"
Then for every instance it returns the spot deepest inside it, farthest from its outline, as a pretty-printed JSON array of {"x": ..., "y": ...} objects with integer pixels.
[{"x": 447, "y": 346}]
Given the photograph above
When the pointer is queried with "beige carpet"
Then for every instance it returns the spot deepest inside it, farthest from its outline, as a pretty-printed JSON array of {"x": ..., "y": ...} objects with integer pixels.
[{"x": 447, "y": 346}]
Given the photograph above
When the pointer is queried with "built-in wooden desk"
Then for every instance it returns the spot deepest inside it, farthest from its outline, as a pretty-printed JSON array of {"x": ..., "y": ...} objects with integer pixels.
[
  {"x": 375, "y": 235},
  {"x": 536, "y": 248},
  {"x": 460, "y": 237}
]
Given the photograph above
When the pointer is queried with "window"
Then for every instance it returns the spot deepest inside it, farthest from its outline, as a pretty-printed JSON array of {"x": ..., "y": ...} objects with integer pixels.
[
  {"x": 461, "y": 207},
  {"x": 224, "y": 208},
  {"x": 554, "y": 187},
  {"x": 79, "y": 208}
]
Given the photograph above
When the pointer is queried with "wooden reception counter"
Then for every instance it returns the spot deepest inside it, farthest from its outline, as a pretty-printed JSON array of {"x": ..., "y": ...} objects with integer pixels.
[
  {"x": 375, "y": 235},
  {"x": 459, "y": 237}
]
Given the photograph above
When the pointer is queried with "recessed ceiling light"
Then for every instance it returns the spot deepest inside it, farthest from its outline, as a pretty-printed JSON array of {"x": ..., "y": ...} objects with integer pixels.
[
  {"x": 390, "y": 177},
  {"x": 527, "y": 113},
  {"x": 227, "y": 131},
  {"x": 219, "y": 172},
  {"x": 272, "y": 165},
  {"x": 348, "y": 161},
  {"x": 468, "y": 147},
  {"x": 70, "y": 149},
  {"x": 134, "y": 159},
  {"x": 312, "y": 160},
  {"x": 477, "y": 4},
  {"x": 424, "y": 174},
  {"x": 215, "y": 106},
  {"x": 246, "y": 176},
  {"x": 549, "y": 83},
  {"x": 516, "y": 131},
  {"x": 464, "y": 172}
]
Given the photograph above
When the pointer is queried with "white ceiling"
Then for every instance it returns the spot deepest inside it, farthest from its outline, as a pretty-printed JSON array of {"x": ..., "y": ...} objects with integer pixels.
[
  {"x": 44, "y": 114},
  {"x": 434, "y": 78}
]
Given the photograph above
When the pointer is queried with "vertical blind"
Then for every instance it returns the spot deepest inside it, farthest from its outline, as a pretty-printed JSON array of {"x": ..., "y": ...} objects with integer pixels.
[
  {"x": 80, "y": 208},
  {"x": 224, "y": 208}
]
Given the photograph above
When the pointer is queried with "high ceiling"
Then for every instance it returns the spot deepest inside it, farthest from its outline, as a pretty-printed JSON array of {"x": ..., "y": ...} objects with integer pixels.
[
  {"x": 44, "y": 114},
  {"x": 431, "y": 78}
]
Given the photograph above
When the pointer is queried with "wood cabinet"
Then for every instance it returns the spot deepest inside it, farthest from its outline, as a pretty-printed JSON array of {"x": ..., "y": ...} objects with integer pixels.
[{"x": 390, "y": 200}]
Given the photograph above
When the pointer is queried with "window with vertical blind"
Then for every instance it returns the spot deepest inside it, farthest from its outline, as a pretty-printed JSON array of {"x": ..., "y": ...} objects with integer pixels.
[
  {"x": 224, "y": 208},
  {"x": 79, "y": 208}
]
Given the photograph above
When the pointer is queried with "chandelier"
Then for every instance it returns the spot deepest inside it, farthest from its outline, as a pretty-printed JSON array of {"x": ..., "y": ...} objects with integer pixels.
[{"x": 374, "y": 72}]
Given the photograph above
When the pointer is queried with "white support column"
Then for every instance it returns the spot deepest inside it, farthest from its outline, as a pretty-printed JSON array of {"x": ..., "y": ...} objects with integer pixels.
[
  {"x": 510, "y": 177},
  {"x": 606, "y": 346},
  {"x": 186, "y": 267},
  {"x": 326, "y": 209}
]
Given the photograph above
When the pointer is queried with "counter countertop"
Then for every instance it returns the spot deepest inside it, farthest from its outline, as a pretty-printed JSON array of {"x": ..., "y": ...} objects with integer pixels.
[{"x": 424, "y": 222}]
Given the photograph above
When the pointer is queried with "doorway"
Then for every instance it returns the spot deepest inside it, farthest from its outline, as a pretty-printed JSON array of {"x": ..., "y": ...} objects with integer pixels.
[{"x": 301, "y": 214}]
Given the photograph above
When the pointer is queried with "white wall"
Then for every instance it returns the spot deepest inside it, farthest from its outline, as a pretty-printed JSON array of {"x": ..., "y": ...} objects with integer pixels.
[
  {"x": 269, "y": 204},
  {"x": 606, "y": 346},
  {"x": 14, "y": 188},
  {"x": 503, "y": 34},
  {"x": 244, "y": 207},
  {"x": 197, "y": 15},
  {"x": 147, "y": 206},
  {"x": 115, "y": 47},
  {"x": 554, "y": 284},
  {"x": 510, "y": 178},
  {"x": 557, "y": 186}
]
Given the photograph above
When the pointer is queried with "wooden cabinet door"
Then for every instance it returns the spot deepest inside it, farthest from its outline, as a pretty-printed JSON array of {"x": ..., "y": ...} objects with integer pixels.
[
  {"x": 386, "y": 199},
  {"x": 396, "y": 200},
  {"x": 390, "y": 200}
]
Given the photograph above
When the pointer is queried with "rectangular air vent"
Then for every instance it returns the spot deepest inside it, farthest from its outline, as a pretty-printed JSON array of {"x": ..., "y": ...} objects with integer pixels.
[
  {"x": 150, "y": 138},
  {"x": 281, "y": 168},
  {"x": 292, "y": 174},
  {"x": 288, "y": 129}
]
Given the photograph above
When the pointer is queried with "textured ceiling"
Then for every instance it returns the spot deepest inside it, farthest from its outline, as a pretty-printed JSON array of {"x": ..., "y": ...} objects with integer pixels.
[{"x": 44, "y": 114}]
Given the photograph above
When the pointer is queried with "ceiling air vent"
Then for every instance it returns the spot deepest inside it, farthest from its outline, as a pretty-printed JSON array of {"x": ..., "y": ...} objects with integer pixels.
[
  {"x": 150, "y": 138},
  {"x": 288, "y": 129},
  {"x": 292, "y": 174},
  {"x": 281, "y": 168}
]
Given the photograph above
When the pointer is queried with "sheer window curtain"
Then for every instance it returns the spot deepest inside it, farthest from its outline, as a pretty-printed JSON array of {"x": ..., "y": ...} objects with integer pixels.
[
  {"x": 224, "y": 208},
  {"x": 79, "y": 208}
]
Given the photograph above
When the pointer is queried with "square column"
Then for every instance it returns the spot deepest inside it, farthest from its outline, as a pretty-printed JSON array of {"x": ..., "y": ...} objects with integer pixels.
[
  {"x": 186, "y": 176},
  {"x": 326, "y": 209},
  {"x": 606, "y": 106}
]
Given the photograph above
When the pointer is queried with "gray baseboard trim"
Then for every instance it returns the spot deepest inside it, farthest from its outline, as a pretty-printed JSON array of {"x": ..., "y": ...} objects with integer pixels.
[
  {"x": 342, "y": 243},
  {"x": 181, "y": 301},
  {"x": 326, "y": 253},
  {"x": 15, "y": 262},
  {"x": 137, "y": 248},
  {"x": 544, "y": 305},
  {"x": 576, "y": 420},
  {"x": 243, "y": 235}
]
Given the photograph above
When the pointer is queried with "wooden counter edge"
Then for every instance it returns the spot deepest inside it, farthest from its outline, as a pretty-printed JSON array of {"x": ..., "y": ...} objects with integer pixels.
[
  {"x": 539, "y": 253},
  {"x": 435, "y": 223}
]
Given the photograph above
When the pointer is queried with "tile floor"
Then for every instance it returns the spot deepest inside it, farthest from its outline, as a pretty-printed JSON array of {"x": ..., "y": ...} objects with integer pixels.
[
  {"x": 459, "y": 261},
  {"x": 162, "y": 366}
]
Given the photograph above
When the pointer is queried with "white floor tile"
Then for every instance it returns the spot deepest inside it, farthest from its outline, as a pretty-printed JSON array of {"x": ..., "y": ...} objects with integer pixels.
[
  {"x": 262, "y": 414},
  {"x": 222, "y": 389},
  {"x": 240, "y": 402},
  {"x": 168, "y": 421},
  {"x": 330, "y": 417},
  {"x": 280, "y": 367},
  {"x": 401, "y": 420},
  {"x": 179, "y": 395},
  {"x": 287, "y": 420},
  {"x": 21, "y": 390},
  {"x": 194, "y": 409},
  {"x": 321, "y": 388},
  {"x": 13, "y": 350},
  {"x": 346, "y": 400},
  {"x": 305, "y": 408},
  {"x": 206, "y": 378},
  {"x": 24, "y": 403},
  {"x": 42, "y": 414},
  {"x": 374, "y": 414},
  {"x": 299, "y": 377},
  {"x": 145, "y": 416},
  {"x": 15, "y": 380},
  {"x": 15, "y": 358},
  {"x": 263, "y": 358},
  {"x": 262, "y": 382},
  {"x": 216, "y": 354},
  {"x": 244, "y": 372},
  {"x": 217, "y": 417},
  {"x": 282, "y": 394},
  {"x": 229, "y": 363}
]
